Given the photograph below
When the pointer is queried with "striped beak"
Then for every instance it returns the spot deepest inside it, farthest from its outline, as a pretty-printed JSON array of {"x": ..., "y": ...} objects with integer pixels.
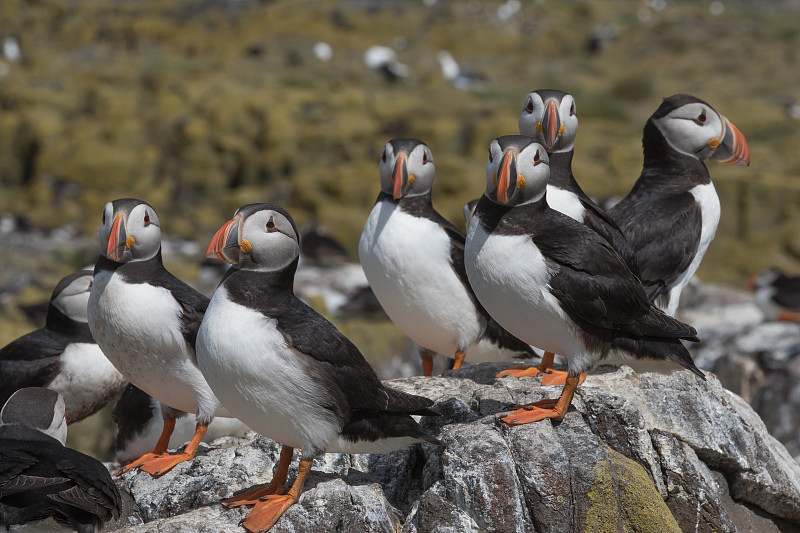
[
  {"x": 225, "y": 243},
  {"x": 399, "y": 176},
  {"x": 551, "y": 124},
  {"x": 118, "y": 240},
  {"x": 732, "y": 149},
  {"x": 506, "y": 176}
]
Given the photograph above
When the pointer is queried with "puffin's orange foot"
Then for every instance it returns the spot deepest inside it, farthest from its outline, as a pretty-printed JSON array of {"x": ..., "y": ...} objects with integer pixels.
[
  {"x": 556, "y": 377},
  {"x": 250, "y": 497},
  {"x": 136, "y": 463},
  {"x": 161, "y": 464},
  {"x": 788, "y": 316},
  {"x": 427, "y": 366},
  {"x": 531, "y": 413},
  {"x": 264, "y": 515},
  {"x": 520, "y": 372},
  {"x": 543, "y": 404}
]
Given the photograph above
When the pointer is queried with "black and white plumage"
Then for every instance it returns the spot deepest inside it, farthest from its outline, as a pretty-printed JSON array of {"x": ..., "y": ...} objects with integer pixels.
[
  {"x": 283, "y": 369},
  {"x": 671, "y": 214},
  {"x": 145, "y": 320},
  {"x": 777, "y": 295},
  {"x": 413, "y": 259},
  {"x": 62, "y": 355},
  {"x": 43, "y": 484},
  {"x": 550, "y": 117},
  {"x": 555, "y": 283},
  {"x": 138, "y": 417}
]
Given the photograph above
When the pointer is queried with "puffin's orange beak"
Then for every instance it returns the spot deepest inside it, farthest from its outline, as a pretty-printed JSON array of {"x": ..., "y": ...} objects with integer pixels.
[
  {"x": 733, "y": 149},
  {"x": 506, "y": 175},
  {"x": 225, "y": 243},
  {"x": 399, "y": 176},
  {"x": 551, "y": 124},
  {"x": 117, "y": 240}
]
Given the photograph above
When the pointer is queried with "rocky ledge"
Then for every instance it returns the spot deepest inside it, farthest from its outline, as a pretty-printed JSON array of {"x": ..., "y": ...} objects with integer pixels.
[{"x": 636, "y": 453}]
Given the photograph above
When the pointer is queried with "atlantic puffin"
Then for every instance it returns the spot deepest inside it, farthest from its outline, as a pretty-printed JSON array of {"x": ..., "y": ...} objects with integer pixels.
[
  {"x": 62, "y": 355},
  {"x": 777, "y": 295},
  {"x": 413, "y": 259},
  {"x": 43, "y": 484},
  {"x": 555, "y": 283},
  {"x": 145, "y": 320},
  {"x": 284, "y": 370},
  {"x": 550, "y": 117},
  {"x": 671, "y": 214}
]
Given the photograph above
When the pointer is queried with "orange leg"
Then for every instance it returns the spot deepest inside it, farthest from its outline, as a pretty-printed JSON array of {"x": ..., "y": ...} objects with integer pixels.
[
  {"x": 253, "y": 496},
  {"x": 427, "y": 363},
  {"x": 158, "y": 466},
  {"x": 158, "y": 451},
  {"x": 264, "y": 515},
  {"x": 459, "y": 359},
  {"x": 549, "y": 376},
  {"x": 789, "y": 316},
  {"x": 546, "y": 408}
]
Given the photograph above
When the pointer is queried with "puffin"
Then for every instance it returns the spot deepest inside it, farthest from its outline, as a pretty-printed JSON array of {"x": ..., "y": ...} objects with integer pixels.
[
  {"x": 145, "y": 320},
  {"x": 137, "y": 416},
  {"x": 671, "y": 214},
  {"x": 554, "y": 282},
  {"x": 549, "y": 116},
  {"x": 777, "y": 295},
  {"x": 63, "y": 355},
  {"x": 284, "y": 370},
  {"x": 413, "y": 259},
  {"x": 45, "y": 486}
]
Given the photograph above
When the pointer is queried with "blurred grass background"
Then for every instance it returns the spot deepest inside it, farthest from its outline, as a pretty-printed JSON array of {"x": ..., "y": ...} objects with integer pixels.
[{"x": 199, "y": 107}]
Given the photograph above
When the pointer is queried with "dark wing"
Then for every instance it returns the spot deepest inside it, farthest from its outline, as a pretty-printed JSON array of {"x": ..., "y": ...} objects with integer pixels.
[
  {"x": 591, "y": 281},
  {"x": 601, "y": 223},
  {"x": 338, "y": 360},
  {"x": 193, "y": 304},
  {"x": 13, "y": 461},
  {"x": 32, "y": 360},
  {"x": 787, "y": 292},
  {"x": 664, "y": 232},
  {"x": 93, "y": 489}
]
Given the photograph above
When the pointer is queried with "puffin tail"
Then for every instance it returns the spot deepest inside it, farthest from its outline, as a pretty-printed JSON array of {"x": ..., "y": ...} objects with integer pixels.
[
  {"x": 402, "y": 402},
  {"x": 660, "y": 348}
]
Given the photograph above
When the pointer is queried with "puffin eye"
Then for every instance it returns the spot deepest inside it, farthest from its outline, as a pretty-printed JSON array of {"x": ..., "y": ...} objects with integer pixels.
[
  {"x": 536, "y": 158},
  {"x": 424, "y": 158},
  {"x": 270, "y": 224},
  {"x": 146, "y": 218},
  {"x": 383, "y": 155},
  {"x": 491, "y": 159},
  {"x": 572, "y": 109},
  {"x": 104, "y": 216},
  {"x": 701, "y": 118},
  {"x": 529, "y": 106}
]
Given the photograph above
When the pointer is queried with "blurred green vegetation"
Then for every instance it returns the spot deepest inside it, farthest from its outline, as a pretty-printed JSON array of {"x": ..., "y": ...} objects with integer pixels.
[{"x": 199, "y": 107}]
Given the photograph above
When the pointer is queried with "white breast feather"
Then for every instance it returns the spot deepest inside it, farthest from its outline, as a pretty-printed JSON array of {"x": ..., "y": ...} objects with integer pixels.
[
  {"x": 566, "y": 202},
  {"x": 138, "y": 328},
  {"x": 406, "y": 260},
  {"x": 260, "y": 378}
]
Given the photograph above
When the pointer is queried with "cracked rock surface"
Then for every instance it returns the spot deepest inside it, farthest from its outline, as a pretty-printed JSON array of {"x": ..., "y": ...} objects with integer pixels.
[{"x": 636, "y": 453}]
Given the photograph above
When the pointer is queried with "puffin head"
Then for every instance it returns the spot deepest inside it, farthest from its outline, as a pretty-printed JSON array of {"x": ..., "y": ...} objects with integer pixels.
[
  {"x": 406, "y": 168},
  {"x": 130, "y": 231},
  {"x": 37, "y": 408},
  {"x": 517, "y": 170},
  {"x": 548, "y": 116},
  {"x": 71, "y": 295},
  {"x": 694, "y": 128},
  {"x": 259, "y": 237}
]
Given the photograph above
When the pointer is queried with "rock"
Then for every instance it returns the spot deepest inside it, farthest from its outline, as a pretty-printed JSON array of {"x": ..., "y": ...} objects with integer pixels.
[{"x": 635, "y": 453}]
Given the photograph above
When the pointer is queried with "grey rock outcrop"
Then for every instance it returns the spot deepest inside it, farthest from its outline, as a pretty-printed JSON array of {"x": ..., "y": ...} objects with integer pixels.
[{"x": 636, "y": 453}]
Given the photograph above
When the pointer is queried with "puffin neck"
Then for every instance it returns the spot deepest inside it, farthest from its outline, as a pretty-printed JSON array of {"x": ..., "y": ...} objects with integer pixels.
[
  {"x": 255, "y": 286},
  {"x": 58, "y": 322},
  {"x": 662, "y": 159}
]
